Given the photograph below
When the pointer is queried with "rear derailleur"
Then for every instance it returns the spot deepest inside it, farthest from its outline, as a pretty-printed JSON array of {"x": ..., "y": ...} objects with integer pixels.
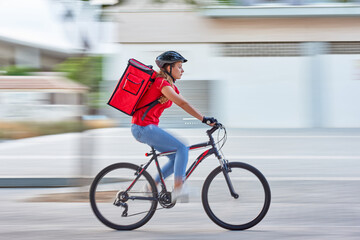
[{"x": 120, "y": 201}]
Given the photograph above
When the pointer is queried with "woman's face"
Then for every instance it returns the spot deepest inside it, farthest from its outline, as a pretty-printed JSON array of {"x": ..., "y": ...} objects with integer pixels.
[{"x": 177, "y": 70}]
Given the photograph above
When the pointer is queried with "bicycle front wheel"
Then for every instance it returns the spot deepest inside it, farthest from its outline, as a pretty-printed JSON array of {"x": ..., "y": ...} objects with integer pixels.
[
  {"x": 240, "y": 213},
  {"x": 120, "y": 209}
]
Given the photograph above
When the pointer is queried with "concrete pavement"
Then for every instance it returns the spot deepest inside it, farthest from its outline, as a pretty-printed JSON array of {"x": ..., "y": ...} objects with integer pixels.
[
  {"x": 313, "y": 174},
  {"x": 299, "y": 210},
  {"x": 62, "y": 160}
]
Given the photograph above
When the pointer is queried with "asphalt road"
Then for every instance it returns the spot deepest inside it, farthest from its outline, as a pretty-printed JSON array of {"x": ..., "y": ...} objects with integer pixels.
[{"x": 314, "y": 177}]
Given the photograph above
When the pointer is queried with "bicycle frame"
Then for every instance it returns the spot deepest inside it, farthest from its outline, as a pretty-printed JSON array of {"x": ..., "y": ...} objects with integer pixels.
[
  {"x": 108, "y": 186},
  {"x": 193, "y": 166},
  {"x": 213, "y": 150}
]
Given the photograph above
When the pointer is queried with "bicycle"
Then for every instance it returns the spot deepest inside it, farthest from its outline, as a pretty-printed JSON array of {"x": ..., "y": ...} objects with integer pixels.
[{"x": 235, "y": 195}]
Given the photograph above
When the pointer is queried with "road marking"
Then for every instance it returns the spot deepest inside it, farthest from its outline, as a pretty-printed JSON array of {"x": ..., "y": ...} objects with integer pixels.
[
  {"x": 293, "y": 136},
  {"x": 286, "y": 178},
  {"x": 199, "y": 178},
  {"x": 230, "y": 157},
  {"x": 313, "y": 178},
  {"x": 246, "y": 136}
]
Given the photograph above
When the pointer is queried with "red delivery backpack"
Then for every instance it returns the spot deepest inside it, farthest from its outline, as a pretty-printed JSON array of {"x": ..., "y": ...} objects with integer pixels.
[{"x": 131, "y": 87}]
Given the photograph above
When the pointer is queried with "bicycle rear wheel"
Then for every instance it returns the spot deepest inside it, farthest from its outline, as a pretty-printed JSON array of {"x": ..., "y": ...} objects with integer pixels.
[
  {"x": 239, "y": 213},
  {"x": 117, "y": 209}
]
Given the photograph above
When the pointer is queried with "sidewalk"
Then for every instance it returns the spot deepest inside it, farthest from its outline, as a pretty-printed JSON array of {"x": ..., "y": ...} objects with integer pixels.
[{"x": 67, "y": 159}]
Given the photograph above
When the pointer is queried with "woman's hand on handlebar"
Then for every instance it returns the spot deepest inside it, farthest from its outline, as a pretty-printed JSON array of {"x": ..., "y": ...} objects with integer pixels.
[{"x": 209, "y": 121}]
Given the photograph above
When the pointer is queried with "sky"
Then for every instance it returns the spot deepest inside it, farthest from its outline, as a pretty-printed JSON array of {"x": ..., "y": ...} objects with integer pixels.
[{"x": 36, "y": 22}]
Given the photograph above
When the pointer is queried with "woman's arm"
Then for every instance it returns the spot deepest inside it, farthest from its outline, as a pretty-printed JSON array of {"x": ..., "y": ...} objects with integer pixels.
[{"x": 179, "y": 100}]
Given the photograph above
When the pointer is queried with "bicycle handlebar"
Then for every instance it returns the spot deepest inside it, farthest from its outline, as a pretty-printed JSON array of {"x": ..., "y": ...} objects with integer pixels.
[{"x": 214, "y": 128}]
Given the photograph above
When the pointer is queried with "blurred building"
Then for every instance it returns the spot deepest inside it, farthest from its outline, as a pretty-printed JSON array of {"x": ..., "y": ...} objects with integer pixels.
[
  {"x": 24, "y": 54},
  {"x": 41, "y": 98},
  {"x": 42, "y": 33},
  {"x": 270, "y": 64}
]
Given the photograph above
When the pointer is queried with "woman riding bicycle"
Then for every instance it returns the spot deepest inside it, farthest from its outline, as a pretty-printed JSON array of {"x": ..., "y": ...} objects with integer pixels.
[
  {"x": 146, "y": 130},
  {"x": 234, "y": 195}
]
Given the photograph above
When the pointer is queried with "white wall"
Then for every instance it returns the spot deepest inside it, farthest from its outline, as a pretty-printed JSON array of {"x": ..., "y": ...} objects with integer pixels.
[
  {"x": 27, "y": 57},
  {"x": 264, "y": 92},
  {"x": 253, "y": 92},
  {"x": 342, "y": 91}
]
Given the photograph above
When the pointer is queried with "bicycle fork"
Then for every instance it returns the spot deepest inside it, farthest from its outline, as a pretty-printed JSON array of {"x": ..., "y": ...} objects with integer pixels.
[{"x": 226, "y": 169}]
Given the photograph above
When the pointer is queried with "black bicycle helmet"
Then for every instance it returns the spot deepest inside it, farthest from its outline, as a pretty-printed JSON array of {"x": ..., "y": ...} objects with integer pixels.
[{"x": 169, "y": 57}]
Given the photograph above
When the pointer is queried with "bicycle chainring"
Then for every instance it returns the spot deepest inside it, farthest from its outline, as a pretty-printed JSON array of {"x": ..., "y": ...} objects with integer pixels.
[{"x": 165, "y": 200}]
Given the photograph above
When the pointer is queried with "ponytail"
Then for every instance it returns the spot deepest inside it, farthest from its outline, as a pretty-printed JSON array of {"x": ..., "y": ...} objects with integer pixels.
[{"x": 164, "y": 74}]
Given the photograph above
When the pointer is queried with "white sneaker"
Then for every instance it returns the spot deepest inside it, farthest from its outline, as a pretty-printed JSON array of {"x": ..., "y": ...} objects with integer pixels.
[{"x": 180, "y": 195}]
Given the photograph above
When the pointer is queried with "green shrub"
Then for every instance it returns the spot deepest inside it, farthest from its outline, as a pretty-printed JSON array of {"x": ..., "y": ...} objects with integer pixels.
[{"x": 18, "y": 130}]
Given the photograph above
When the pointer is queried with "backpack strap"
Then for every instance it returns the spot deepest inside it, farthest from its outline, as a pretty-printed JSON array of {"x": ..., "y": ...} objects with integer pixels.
[{"x": 150, "y": 106}]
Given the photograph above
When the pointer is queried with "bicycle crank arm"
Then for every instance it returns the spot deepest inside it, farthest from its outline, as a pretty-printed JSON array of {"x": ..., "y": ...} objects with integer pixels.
[{"x": 229, "y": 183}]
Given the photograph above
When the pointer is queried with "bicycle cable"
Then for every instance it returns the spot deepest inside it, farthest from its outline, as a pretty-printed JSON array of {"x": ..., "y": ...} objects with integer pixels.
[{"x": 222, "y": 140}]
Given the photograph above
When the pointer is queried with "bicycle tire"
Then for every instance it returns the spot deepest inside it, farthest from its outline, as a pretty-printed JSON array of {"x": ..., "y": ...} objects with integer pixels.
[
  {"x": 105, "y": 188},
  {"x": 250, "y": 184}
]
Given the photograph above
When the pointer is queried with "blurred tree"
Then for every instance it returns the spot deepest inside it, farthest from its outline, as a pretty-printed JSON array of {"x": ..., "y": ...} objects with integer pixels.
[
  {"x": 194, "y": 2},
  {"x": 17, "y": 71},
  {"x": 226, "y": 2},
  {"x": 86, "y": 70}
]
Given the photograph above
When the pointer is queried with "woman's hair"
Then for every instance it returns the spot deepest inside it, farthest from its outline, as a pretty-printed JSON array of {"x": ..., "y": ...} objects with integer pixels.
[{"x": 163, "y": 73}]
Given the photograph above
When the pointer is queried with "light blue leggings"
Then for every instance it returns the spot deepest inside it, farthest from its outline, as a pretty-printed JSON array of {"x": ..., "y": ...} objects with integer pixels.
[{"x": 162, "y": 141}]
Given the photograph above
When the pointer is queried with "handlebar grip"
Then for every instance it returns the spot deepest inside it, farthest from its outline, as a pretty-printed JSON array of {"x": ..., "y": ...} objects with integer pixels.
[{"x": 214, "y": 128}]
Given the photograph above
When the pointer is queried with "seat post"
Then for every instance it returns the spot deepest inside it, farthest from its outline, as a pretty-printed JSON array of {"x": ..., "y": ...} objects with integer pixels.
[{"x": 153, "y": 150}]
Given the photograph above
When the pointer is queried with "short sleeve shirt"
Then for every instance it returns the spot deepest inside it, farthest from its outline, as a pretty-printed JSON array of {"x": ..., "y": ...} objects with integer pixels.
[{"x": 153, "y": 93}]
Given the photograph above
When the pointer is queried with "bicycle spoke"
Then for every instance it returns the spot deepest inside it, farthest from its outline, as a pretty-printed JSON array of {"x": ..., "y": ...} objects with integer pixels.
[
  {"x": 236, "y": 200},
  {"x": 244, "y": 211},
  {"x": 113, "y": 205}
]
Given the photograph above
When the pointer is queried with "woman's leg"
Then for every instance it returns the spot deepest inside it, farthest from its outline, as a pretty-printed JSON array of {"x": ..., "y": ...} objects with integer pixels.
[
  {"x": 168, "y": 168},
  {"x": 163, "y": 141}
]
